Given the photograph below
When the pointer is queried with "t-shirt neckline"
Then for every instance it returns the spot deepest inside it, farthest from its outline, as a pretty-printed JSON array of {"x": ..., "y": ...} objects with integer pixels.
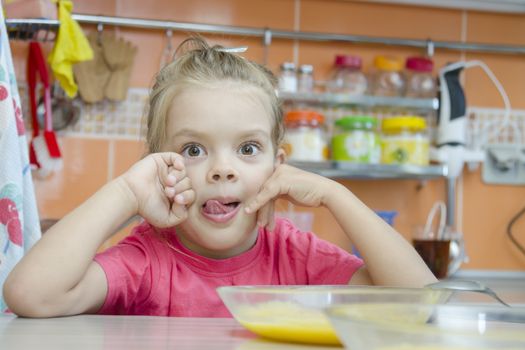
[{"x": 210, "y": 266}]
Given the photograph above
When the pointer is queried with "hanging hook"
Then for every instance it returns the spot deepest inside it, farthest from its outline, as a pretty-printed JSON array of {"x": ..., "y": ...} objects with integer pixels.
[
  {"x": 430, "y": 48},
  {"x": 166, "y": 56},
  {"x": 267, "y": 41},
  {"x": 169, "y": 38},
  {"x": 100, "y": 29}
]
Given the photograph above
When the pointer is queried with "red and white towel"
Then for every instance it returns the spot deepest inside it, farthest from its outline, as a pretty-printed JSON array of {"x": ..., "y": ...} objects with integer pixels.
[{"x": 19, "y": 224}]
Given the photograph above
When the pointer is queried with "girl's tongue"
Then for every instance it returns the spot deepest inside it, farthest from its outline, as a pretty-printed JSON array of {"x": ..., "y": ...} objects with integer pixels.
[{"x": 213, "y": 206}]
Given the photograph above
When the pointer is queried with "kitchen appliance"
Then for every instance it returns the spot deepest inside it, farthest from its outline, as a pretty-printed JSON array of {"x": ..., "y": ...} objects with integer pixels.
[
  {"x": 452, "y": 122},
  {"x": 451, "y": 146}
]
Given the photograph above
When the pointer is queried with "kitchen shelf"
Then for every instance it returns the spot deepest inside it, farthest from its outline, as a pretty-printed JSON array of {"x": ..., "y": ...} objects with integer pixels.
[
  {"x": 349, "y": 170},
  {"x": 361, "y": 100}
]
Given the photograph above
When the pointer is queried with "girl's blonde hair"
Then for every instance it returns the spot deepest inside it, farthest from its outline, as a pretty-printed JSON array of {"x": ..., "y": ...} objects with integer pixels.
[{"x": 198, "y": 65}]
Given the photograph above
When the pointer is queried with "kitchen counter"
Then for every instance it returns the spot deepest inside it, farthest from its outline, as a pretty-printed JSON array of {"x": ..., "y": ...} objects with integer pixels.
[{"x": 95, "y": 332}]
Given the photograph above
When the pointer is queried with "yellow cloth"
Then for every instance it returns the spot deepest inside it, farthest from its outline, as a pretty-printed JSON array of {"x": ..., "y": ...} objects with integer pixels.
[{"x": 71, "y": 47}]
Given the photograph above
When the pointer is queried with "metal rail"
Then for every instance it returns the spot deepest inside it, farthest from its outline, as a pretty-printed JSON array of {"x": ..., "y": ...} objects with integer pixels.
[{"x": 268, "y": 34}]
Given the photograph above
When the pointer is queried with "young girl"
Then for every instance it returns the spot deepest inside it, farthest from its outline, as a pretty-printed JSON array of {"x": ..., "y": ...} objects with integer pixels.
[{"x": 206, "y": 192}]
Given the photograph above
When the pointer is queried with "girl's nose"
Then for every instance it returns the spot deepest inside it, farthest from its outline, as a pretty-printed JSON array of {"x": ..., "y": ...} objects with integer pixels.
[{"x": 222, "y": 172}]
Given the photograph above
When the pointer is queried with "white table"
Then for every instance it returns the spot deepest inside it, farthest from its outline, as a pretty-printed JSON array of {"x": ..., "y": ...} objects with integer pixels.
[
  {"x": 141, "y": 332},
  {"x": 132, "y": 332}
]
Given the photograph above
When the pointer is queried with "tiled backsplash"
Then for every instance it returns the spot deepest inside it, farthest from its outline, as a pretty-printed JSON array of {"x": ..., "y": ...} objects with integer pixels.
[
  {"x": 106, "y": 119},
  {"x": 485, "y": 125}
]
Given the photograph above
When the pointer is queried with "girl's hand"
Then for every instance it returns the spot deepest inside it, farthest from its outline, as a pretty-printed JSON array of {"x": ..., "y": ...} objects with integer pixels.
[
  {"x": 298, "y": 186},
  {"x": 161, "y": 190}
]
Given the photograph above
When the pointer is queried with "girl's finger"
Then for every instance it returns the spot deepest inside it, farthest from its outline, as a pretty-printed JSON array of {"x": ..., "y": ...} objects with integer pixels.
[
  {"x": 173, "y": 180},
  {"x": 170, "y": 167},
  {"x": 185, "y": 198},
  {"x": 269, "y": 191},
  {"x": 178, "y": 174},
  {"x": 175, "y": 186},
  {"x": 178, "y": 213},
  {"x": 271, "y": 216},
  {"x": 170, "y": 192},
  {"x": 163, "y": 172},
  {"x": 262, "y": 216},
  {"x": 183, "y": 185},
  {"x": 172, "y": 159}
]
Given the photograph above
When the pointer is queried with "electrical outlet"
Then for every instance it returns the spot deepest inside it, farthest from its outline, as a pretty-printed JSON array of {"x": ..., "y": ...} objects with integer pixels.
[{"x": 504, "y": 165}]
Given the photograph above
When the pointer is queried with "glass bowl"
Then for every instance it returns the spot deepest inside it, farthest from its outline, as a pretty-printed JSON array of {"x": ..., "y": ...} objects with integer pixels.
[
  {"x": 295, "y": 313},
  {"x": 395, "y": 326}
]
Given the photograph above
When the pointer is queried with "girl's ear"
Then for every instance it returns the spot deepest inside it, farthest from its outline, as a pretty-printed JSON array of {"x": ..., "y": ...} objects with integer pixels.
[{"x": 280, "y": 157}]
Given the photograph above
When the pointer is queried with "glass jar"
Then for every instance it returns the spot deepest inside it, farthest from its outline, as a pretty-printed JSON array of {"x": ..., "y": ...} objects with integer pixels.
[
  {"x": 405, "y": 141},
  {"x": 388, "y": 78},
  {"x": 305, "y": 78},
  {"x": 287, "y": 77},
  {"x": 305, "y": 138},
  {"x": 347, "y": 77},
  {"x": 420, "y": 82},
  {"x": 356, "y": 140}
]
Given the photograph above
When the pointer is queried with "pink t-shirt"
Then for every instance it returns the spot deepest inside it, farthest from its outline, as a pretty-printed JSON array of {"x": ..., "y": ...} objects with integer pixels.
[{"x": 152, "y": 273}]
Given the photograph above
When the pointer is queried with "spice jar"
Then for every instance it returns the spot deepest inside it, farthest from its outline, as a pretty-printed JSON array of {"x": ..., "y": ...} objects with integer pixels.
[
  {"x": 347, "y": 77},
  {"x": 420, "y": 82},
  {"x": 305, "y": 78},
  {"x": 388, "y": 78},
  {"x": 305, "y": 138},
  {"x": 287, "y": 77},
  {"x": 404, "y": 141},
  {"x": 356, "y": 140}
]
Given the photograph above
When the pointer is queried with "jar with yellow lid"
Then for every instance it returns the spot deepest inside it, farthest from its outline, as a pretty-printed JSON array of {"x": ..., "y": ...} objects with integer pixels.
[
  {"x": 356, "y": 140},
  {"x": 388, "y": 79},
  {"x": 305, "y": 137},
  {"x": 405, "y": 141}
]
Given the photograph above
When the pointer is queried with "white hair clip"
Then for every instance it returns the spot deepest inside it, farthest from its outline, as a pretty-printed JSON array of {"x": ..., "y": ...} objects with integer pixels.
[{"x": 239, "y": 49}]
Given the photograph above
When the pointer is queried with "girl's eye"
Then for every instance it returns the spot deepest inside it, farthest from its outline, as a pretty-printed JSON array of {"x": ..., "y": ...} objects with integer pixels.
[
  {"x": 192, "y": 151},
  {"x": 249, "y": 149}
]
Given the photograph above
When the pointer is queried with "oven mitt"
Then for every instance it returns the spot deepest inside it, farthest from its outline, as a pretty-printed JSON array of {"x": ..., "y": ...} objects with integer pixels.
[
  {"x": 70, "y": 47},
  {"x": 92, "y": 76},
  {"x": 119, "y": 55}
]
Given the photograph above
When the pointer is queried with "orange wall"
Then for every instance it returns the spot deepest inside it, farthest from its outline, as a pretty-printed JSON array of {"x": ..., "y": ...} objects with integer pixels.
[{"x": 486, "y": 209}]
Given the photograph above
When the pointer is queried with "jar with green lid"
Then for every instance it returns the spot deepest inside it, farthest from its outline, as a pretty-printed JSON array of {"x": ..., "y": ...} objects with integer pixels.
[
  {"x": 405, "y": 141},
  {"x": 356, "y": 140}
]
